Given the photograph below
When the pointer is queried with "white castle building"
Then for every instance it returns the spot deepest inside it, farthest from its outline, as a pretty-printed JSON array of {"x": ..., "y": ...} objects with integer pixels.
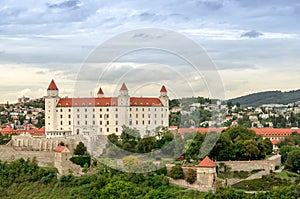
[{"x": 103, "y": 115}]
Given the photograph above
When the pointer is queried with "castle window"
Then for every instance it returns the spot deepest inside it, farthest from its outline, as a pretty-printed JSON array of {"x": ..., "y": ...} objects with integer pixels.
[
  {"x": 93, "y": 110},
  {"x": 148, "y": 109},
  {"x": 130, "y": 122},
  {"x": 116, "y": 129},
  {"x": 85, "y": 122},
  {"x": 94, "y": 122},
  {"x": 107, "y": 122},
  {"x": 130, "y": 115},
  {"x": 162, "y": 109},
  {"x": 77, "y": 131},
  {"x": 85, "y": 109},
  {"x": 107, "y": 109},
  {"x": 61, "y": 116},
  {"x": 162, "y": 115},
  {"x": 136, "y": 122},
  {"x": 100, "y": 122},
  {"x": 116, "y": 122},
  {"x": 85, "y": 116},
  {"x": 143, "y": 109},
  {"x": 162, "y": 122},
  {"x": 154, "y": 115},
  {"x": 116, "y": 115},
  {"x": 60, "y": 110},
  {"x": 61, "y": 123},
  {"x": 69, "y": 122},
  {"x": 107, "y": 129},
  {"x": 77, "y": 116},
  {"x": 93, "y": 115},
  {"x": 155, "y": 122},
  {"x": 130, "y": 109},
  {"x": 100, "y": 115},
  {"x": 149, "y": 122},
  {"x": 136, "y": 108},
  {"x": 100, "y": 109},
  {"x": 143, "y": 115},
  {"x": 78, "y": 123},
  {"x": 69, "y": 116},
  {"x": 116, "y": 109},
  {"x": 143, "y": 122},
  {"x": 136, "y": 115},
  {"x": 69, "y": 110},
  {"x": 148, "y": 115},
  {"x": 78, "y": 110}
]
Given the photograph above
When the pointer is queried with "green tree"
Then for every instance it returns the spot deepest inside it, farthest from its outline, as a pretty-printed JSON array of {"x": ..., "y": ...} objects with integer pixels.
[
  {"x": 176, "y": 172},
  {"x": 191, "y": 176},
  {"x": 80, "y": 149},
  {"x": 293, "y": 161}
]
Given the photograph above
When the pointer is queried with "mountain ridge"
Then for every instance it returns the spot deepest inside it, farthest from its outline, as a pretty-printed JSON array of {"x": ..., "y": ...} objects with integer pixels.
[{"x": 268, "y": 97}]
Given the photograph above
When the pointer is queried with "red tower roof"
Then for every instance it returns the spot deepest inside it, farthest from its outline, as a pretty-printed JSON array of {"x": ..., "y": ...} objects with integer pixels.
[
  {"x": 207, "y": 162},
  {"x": 52, "y": 86},
  {"x": 163, "y": 89},
  {"x": 123, "y": 87},
  {"x": 100, "y": 92}
]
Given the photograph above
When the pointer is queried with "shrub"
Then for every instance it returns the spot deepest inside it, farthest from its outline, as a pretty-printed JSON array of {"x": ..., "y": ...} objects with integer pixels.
[
  {"x": 81, "y": 160},
  {"x": 191, "y": 176},
  {"x": 177, "y": 172}
]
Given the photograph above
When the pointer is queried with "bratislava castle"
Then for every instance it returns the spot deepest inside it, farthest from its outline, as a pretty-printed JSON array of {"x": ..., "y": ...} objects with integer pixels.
[{"x": 103, "y": 115}]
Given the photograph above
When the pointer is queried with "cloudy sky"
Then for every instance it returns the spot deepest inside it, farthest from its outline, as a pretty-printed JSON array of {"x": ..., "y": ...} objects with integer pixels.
[{"x": 253, "y": 44}]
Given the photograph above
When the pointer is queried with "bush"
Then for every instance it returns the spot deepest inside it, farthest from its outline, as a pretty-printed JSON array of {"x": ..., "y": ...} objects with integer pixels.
[
  {"x": 191, "y": 176},
  {"x": 177, "y": 172},
  {"x": 81, "y": 160}
]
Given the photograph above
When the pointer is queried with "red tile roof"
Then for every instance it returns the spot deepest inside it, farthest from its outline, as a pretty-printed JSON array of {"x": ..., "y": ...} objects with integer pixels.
[
  {"x": 145, "y": 101},
  {"x": 59, "y": 149},
  {"x": 163, "y": 89},
  {"x": 33, "y": 132},
  {"x": 100, "y": 92},
  {"x": 207, "y": 162},
  {"x": 274, "y": 142},
  {"x": 107, "y": 101},
  {"x": 52, "y": 86},
  {"x": 123, "y": 87},
  {"x": 274, "y": 132}
]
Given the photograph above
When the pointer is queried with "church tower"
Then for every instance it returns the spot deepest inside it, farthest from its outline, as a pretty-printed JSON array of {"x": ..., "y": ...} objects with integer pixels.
[
  {"x": 164, "y": 96},
  {"x": 51, "y": 101}
]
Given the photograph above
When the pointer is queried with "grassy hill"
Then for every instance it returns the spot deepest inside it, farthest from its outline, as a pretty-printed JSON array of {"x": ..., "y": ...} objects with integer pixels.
[{"x": 268, "y": 97}]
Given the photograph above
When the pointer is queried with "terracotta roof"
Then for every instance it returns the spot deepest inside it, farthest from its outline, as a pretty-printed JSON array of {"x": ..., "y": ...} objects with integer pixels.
[
  {"x": 59, "y": 149},
  {"x": 143, "y": 101},
  {"x": 274, "y": 132},
  {"x": 34, "y": 132},
  {"x": 123, "y": 87},
  {"x": 207, "y": 162},
  {"x": 107, "y": 101},
  {"x": 163, "y": 89},
  {"x": 100, "y": 92},
  {"x": 52, "y": 86},
  {"x": 274, "y": 142}
]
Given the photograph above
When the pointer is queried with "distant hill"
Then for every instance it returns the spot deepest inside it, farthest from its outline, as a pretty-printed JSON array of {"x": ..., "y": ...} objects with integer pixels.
[{"x": 268, "y": 97}]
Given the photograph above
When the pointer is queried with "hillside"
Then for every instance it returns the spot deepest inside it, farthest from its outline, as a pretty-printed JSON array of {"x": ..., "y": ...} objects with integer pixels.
[{"x": 268, "y": 97}]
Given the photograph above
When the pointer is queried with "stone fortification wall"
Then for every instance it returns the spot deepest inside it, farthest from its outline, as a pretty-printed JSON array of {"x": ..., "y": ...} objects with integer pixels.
[
  {"x": 44, "y": 159},
  {"x": 268, "y": 164}
]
